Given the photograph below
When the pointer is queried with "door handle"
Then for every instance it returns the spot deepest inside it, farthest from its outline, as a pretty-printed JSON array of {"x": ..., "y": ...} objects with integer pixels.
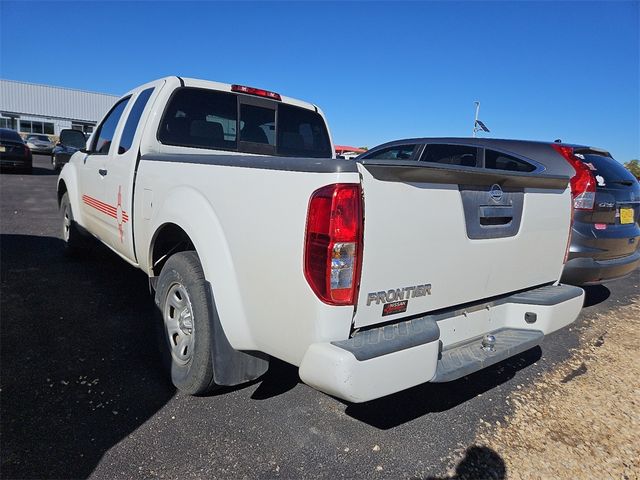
[{"x": 102, "y": 172}]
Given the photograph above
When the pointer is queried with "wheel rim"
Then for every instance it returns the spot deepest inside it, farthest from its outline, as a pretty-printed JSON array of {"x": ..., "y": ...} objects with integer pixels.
[
  {"x": 66, "y": 225},
  {"x": 178, "y": 322}
]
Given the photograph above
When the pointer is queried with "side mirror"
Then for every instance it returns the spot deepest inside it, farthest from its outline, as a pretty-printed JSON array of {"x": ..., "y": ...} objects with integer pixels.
[{"x": 73, "y": 138}]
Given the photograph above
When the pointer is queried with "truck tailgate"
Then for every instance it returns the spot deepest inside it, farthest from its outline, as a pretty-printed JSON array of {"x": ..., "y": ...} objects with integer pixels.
[{"x": 438, "y": 236}]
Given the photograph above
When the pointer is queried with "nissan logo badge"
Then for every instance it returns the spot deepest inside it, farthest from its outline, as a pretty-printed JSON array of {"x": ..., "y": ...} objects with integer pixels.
[{"x": 496, "y": 192}]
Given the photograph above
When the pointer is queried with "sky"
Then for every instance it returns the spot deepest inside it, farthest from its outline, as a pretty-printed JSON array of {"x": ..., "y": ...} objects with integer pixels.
[{"x": 379, "y": 70}]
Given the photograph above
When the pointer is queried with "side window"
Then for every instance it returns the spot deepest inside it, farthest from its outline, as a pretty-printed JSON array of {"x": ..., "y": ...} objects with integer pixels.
[
  {"x": 398, "y": 152},
  {"x": 200, "y": 118},
  {"x": 106, "y": 130},
  {"x": 131, "y": 126},
  {"x": 501, "y": 161},
  {"x": 461, "y": 155}
]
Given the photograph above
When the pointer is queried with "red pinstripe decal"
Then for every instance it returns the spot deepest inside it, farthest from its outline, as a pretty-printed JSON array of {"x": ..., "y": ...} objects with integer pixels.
[{"x": 105, "y": 208}]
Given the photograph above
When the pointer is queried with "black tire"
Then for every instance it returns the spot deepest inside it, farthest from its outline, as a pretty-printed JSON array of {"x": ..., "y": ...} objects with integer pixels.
[
  {"x": 72, "y": 239},
  {"x": 54, "y": 164},
  {"x": 185, "y": 340}
]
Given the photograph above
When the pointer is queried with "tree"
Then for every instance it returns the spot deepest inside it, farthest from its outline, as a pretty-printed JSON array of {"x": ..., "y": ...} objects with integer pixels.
[{"x": 634, "y": 167}]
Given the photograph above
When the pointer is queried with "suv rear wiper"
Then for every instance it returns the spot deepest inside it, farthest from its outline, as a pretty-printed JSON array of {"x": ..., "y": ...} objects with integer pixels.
[{"x": 627, "y": 183}]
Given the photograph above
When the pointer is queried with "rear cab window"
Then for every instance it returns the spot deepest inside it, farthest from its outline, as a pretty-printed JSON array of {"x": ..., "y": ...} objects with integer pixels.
[{"x": 203, "y": 118}]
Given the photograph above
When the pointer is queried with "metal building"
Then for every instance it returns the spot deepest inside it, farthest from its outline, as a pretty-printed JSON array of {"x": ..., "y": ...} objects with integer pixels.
[{"x": 32, "y": 108}]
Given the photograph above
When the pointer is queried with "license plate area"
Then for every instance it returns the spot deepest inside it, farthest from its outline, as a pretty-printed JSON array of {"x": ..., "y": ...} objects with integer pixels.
[{"x": 626, "y": 215}]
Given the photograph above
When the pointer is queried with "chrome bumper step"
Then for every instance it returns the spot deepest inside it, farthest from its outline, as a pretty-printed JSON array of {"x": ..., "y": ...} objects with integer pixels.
[{"x": 469, "y": 357}]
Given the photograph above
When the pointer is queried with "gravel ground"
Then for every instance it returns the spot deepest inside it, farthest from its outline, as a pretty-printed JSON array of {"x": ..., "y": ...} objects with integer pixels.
[{"x": 581, "y": 420}]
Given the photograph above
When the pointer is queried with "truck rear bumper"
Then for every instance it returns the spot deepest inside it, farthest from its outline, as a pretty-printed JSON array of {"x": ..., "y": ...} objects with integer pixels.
[{"x": 439, "y": 347}]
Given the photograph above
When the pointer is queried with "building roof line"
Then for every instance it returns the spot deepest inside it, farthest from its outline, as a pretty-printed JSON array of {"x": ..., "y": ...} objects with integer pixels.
[{"x": 61, "y": 88}]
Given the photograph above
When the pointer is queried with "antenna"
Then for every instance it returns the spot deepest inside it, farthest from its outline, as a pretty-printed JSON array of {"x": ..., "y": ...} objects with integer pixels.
[{"x": 475, "y": 121}]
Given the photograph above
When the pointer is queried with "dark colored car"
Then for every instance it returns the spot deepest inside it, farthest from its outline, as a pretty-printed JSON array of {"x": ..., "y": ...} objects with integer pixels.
[
  {"x": 606, "y": 197},
  {"x": 14, "y": 154},
  {"x": 606, "y": 202},
  {"x": 70, "y": 142}
]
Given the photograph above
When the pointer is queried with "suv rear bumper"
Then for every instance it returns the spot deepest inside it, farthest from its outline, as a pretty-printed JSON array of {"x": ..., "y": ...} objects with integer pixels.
[
  {"x": 441, "y": 347},
  {"x": 587, "y": 271}
]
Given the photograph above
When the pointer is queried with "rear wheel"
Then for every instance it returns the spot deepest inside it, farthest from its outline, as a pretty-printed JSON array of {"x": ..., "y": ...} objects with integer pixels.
[{"x": 185, "y": 323}]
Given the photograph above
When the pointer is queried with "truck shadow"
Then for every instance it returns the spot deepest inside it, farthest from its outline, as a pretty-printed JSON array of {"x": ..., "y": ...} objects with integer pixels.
[
  {"x": 78, "y": 372},
  {"x": 393, "y": 410}
]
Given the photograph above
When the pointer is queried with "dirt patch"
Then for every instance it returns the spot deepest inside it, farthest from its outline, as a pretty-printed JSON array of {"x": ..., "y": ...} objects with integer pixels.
[{"x": 581, "y": 420}]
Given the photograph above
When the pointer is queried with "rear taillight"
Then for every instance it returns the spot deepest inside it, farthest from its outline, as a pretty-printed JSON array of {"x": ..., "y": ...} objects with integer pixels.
[
  {"x": 333, "y": 243},
  {"x": 583, "y": 183}
]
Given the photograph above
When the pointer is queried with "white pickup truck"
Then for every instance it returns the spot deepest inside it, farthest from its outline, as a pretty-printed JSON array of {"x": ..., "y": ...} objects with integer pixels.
[{"x": 371, "y": 275}]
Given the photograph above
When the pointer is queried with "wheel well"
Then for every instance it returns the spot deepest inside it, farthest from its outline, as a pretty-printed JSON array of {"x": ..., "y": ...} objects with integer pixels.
[
  {"x": 169, "y": 239},
  {"x": 62, "y": 189}
]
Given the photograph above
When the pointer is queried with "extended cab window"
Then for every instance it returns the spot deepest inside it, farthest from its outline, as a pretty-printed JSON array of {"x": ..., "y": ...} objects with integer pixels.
[
  {"x": 106, "y": 130},
  {"x": 200, "y": 118},
  {"x": 398, "y": 152},
  {"x": 131, "y": 126},
  {"x": 502, "y": 161},
  {"x": 461, "y": 155}
]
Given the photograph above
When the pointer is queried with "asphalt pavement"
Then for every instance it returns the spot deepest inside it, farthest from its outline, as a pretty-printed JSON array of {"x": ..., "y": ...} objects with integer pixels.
[{"x": 82, "y": 393}]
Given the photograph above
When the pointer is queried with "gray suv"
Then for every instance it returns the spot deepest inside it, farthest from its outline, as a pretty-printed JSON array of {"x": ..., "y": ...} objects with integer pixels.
[
  {"x": 606, "y": 197},
  {"x": 606, "y": 235}
]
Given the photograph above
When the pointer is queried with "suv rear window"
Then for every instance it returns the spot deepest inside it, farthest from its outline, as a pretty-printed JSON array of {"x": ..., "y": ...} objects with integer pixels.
[
  {"x": 204, "y": 118},
  {"x": 606, "y": 167}
]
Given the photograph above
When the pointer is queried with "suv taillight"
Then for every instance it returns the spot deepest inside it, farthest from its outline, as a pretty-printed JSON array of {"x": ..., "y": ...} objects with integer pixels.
[
  {"x": 583, "y": 183},
  {"x": 333, "y": 243}
]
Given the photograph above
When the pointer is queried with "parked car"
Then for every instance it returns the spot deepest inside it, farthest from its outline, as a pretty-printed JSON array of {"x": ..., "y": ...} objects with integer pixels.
[
  {"x": 14, "y": 154},
  {"x": 372, "y": 275},
  {"x": 40, "y": 144},
  {"x": 70, "y": 142},
  {"x": 605, "y": 235}
]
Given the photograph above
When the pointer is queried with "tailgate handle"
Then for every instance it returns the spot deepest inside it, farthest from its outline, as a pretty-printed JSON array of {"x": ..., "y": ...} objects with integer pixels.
[{"x": 493, "y": 215}]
